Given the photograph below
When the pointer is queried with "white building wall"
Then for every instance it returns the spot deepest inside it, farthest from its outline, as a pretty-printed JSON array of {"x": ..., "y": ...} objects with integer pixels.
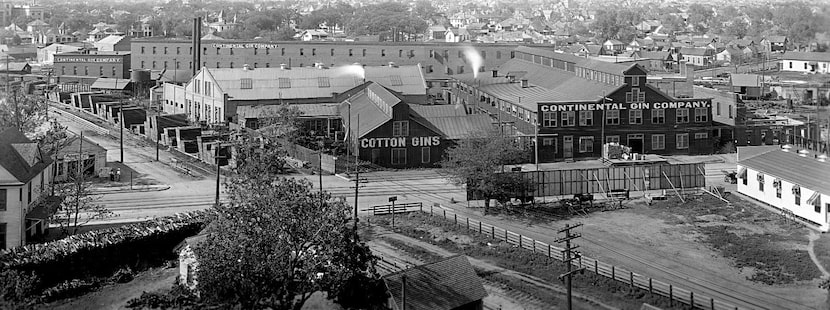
[
  {"x": 18, "y": 205},
  {"x": 787, "y": 200},
  {"x": 804, "y": 66}
]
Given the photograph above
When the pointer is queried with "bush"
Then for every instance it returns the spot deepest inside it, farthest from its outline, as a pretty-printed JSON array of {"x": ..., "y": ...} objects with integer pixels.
[
  {"x": 69, "y": 289},
  {"x": 123, "y": 275},
  {"x": 16, "y": 286},
  {"x": 179, "y": 297},
  {"x": 101, "y": 253}
]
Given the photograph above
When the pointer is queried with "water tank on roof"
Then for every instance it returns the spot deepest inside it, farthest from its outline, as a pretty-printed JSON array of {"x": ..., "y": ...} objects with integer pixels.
[{"x": 140, "y": 76}]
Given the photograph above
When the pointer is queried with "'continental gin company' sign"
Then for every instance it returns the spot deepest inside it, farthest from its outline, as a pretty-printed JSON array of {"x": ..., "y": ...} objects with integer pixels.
[
  {"x": 245, "y": 45},
  {"x": 624, "y": 106},
  {"x": 86, "y": 59}
]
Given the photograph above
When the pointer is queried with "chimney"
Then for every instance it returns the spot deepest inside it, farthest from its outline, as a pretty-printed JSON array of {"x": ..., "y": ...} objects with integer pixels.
[
  {"x": 495, "y": 73},
  {"x": 525, "y": 84}
]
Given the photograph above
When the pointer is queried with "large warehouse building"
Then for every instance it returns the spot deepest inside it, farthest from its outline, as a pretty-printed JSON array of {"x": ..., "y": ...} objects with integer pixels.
[{"x": 574, "y": 104}]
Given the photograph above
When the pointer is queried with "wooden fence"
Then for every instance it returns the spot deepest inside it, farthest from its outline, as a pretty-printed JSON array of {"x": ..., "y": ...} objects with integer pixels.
[{"x": 673, "y": 293}]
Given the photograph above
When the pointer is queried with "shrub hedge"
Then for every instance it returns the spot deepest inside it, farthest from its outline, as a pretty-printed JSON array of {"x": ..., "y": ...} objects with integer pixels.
[{"x": 100, "y": 253}]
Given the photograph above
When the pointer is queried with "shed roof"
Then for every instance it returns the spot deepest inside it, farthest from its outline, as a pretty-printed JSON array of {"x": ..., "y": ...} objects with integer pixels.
[
  {"x": 20, "y": 157},
  {"x": 808, "y": 56},
  {"x": 442, "y": 285},
  {"x": 805, "y": 171},
  {"x": 74, "y": 143}
]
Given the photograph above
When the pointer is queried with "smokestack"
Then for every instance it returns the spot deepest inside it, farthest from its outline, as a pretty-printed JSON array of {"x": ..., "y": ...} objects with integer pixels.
[
  {"x": 495, "y": 73},
  {"x": 197, "y": 44}
]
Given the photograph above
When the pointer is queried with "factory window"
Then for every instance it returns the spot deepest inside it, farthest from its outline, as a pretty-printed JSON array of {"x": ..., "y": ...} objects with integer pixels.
[
  {"x": 101, "y": 71},
  {"x": 255, "y": 50},
  {"x": 268, "y": 65},
  {"x": 351, "y": 53},
  {"x": 74, "y": 70},
  {"x": 760, "y": 177},
  {"x": 3, "y": 205},
  {"x": 701, "y": 135},
  {"x": 791, "y": 64},
  {"x": 267, "y": 51},
  {"x": 332, "y": 52},
  {"x": 429, "y": 69},
  {"x": 460, "y": 54},
  {"x": 197, "y": 86},
  {"x": 2, "y": 236},
  {"x": 717, "y": 105},
  {"x": 701, "y": 115},
  {"x": 382, "y": 53},
  {"x": 165, "y": 64},
  {"x": 323, "y": 82},
  {"x": 63, "y": 69},
  {"x": 255, "y": 65},
  {"x": 612, "y": 139},
  {"x": 154, "y": 49},
  {"x": 550, "y": 142},
  {"x": 282, "y": 51},
  {"x": 483, "y": 54},
  {"x": 498, "y": 54},
  {"x": 190, "y": 51},
  {"x": 549, "y": 118},
  {"x": 231, "y": 65},
  {"x": 400, "y": 53},
  {"x": 204, "y": 51},
  {"x": 635, "y": 116},
  {"x": 142, "y": 50},
  {"x": 246, "y": 83},
  {"x": 230, "y": 51},
  {"x": 178, "y": 64},
  {"x": 658, "y": 142},
  {"x": 86, "y": 70},
  {"x": 425, "y": 155},
  {"x": 284, "y": 83},
  {"x": 217, "y": 51},
  {"x": 586, "y": 118},
  {"x": 682, "y": 115},
  {"x": 658, "y": 116},
  {"x": 612, "y": 117},
  {"x": 313, "y": 52},
  {"x": 411, "y": 53},
  {"x": 729, "y": 109},
  {"x": 400, "y": 129},
  {"x": 165, "y": 50},
  {"x": 302, "y": 52},
  {"x": 431, "y": 54},
  {"x": 568, "y": 118},
  {"x": 682, "y": 141},
  {"x": 398, "y": 156},
  {"x": 364, "y": 52},
  {"x": 218, "y": 65},
  {"x": 586, "y": 144}
]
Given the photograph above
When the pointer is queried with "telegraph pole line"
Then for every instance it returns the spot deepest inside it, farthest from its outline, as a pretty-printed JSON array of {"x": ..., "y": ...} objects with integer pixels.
[{"x": 570, "y": 255}]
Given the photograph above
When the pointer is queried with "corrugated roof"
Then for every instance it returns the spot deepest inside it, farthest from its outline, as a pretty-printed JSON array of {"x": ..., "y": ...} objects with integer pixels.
[
  {"x": 428, "y": 111},
  {"x": 304, "y": 82},
  {"x": 111, "y": 39},
  {"x": 746, "y": 80},
  {"x": 603, "y": 66},
  {"x": 362, "y": 108},
  {"x": 442, "y": 285},
  {"x": 804, "y": 171},
  {"x": 546, "y": 84},
  {"x": 311, "y": 109},
  {"x": 461, "y": 127},
  {"x": 110, "y": 83},
  {"x": 808, "y": 56},
  {"x": 73, "y": 143}
]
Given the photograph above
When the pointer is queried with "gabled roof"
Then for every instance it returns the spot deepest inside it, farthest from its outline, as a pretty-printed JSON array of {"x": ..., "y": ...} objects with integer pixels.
[
  {"x": 776, "y": 39},
  {"x": 805, "y": 171},
  {"x": 442, "y": 285},
  {"x": 807, "y": 56},
  {"x": 20, "y": 157},
  {"x": 364, "y": 109},
  {"x": 111, "y": 39},
  {"x": 695, "y": 51},
  {"x": 14, "y": 66},
  {"x": 37, "y": 23}
]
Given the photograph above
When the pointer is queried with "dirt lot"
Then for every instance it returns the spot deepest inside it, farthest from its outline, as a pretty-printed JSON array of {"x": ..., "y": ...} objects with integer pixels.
[{"x": 738, "y": 253}]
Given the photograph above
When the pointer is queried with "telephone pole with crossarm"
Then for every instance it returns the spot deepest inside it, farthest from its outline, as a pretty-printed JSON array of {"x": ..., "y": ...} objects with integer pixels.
[{"x": 570, "y": 255}]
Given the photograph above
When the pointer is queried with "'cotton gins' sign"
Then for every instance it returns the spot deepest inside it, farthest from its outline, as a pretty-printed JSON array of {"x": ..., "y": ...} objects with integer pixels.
[{"x": 399, "y": 142}]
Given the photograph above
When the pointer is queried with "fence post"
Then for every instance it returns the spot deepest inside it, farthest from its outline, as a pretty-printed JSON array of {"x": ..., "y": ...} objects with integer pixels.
[
  {"x": 445, "y": 215},
  {"x": 505, "y": 236},
  {"x": 534, "y": 245},
  {"x": 712, "y": 303},
  {"x": 430, "y": 211},
  {"x": 631, "y": 278},
  {"x": 455, "y": 219},
  {"x": 650, "y": 288},
  {"x": 493, "y": 230},
  {"x": 596, "y": 267},
  {"x": 479, "y": 227},
  {"x": 421, "y": 206},
  {"x": 691, "y": 299},
  {"x": 671, "y": 297},
  {"x": 520, "y": 241},
  {"x": 613, "y": 273},
  {"x": 548, "y": 250},
  {"x": 468, "y": 223}
]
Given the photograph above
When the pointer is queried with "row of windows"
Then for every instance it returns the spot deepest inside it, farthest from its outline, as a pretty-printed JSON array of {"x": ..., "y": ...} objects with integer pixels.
[
  {"x": 399, "y": 156},
  {"x": 776, "y": 183},
  {"x": 101, "y": 70},
  {"x": 658, "y": 141},
  {"x": 302, "y": 51},
  {"x": 612, "y": 117}
]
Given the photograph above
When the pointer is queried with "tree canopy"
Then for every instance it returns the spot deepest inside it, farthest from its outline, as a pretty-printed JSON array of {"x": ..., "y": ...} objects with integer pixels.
[
  {"x": 278, "y": 241},
  {"x": 478, "y": 161}
]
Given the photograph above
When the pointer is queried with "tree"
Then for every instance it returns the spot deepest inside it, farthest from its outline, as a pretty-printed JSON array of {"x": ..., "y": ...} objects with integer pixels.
[
  {"x": 279, "y": 242},
  {"x": 79, "y": 205},
  {"x": 478, "y": 161},
  {"x": 24, "y": 112},
  {"x": 700, "y": 17}
]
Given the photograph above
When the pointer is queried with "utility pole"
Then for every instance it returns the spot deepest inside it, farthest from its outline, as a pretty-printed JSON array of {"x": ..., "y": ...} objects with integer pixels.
[
  {"x": 320, "y": 174},
  {"x": 356, "y": 168},
  {"x": 569, "y": 256}
]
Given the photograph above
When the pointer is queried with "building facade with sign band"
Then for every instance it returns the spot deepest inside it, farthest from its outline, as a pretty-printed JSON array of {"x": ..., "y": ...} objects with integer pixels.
[
  {"x": 571, "y": 105},
  {"x": 792, "y": 180},
  {"x": 391, "y": 131},
  {"x": 112, "y": 64}
]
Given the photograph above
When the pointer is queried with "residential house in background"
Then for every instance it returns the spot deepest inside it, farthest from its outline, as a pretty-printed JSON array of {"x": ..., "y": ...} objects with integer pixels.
[
  {"x": 613, "y": 47},
  {"x": 775, "y": 44},
  {"x": 697, "y": 56},
  {"x": 730, "y": 55},
  {"x": 457, "y": 35},
  {"x": 25, "y": 174},
  {"x": 313, "y": 35}
]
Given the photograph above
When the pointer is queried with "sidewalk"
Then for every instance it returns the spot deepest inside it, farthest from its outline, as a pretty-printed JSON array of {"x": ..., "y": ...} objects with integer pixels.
[{"x": 128, "y": 189}]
